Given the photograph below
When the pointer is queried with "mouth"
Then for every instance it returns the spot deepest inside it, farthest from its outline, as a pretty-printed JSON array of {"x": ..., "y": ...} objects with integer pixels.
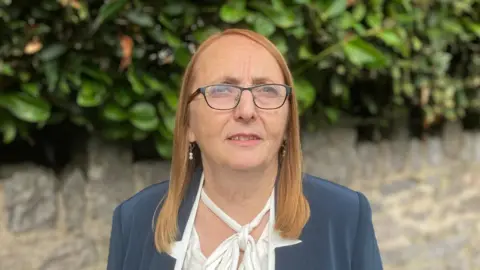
[{"x": 244, "y": 137}]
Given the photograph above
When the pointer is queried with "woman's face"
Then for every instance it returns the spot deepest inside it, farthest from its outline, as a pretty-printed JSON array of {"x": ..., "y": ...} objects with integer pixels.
[{"x": 245, "y": 137}]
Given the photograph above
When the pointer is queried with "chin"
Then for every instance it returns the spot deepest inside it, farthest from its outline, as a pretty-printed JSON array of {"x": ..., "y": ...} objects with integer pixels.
[{"x": 245, "y": 162}]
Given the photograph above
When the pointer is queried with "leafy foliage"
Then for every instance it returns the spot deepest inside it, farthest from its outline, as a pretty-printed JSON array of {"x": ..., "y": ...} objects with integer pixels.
[{"x": 115, "y": 67}]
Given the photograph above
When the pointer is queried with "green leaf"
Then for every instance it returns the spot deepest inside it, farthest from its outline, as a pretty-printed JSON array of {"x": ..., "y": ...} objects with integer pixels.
[
  {"x": 346, "y": 21},
  {"x": 8, "y": 129},
  {"x": 472, "y": 26},
  {"x": 283, "y": 18},
  {"x": 97, "y": 74},
  {"x": 281, "y": 43},
  {"x": 152, "y": 83},
  {"x": 114, "y": 112},
  {"x": 305, "y": 94},
  {"x": 167, "y": 22},
  {"x": 91, "y": 94},
  {"x": 52, "y": 74},
  {"x": 170, "y": 98},
  {"x": 336, "y": 8},
  {"x": 108, "y": 10},
  {"x": 172, "y": 40},
  {"x": 333, "y": 114},
  {"x": 169, "y": 123},
  {"x": 123, "y": 97},
  {"x": 263, "y": 25},
  {"x": 453, "y": 26},
  {"x": 33, "y": 89},
  {"x": 116, "y": 131},
  {"x": 140, "y": 18},
  {"x": 359, "y": 12},
  {"x": 182, "y": 56},
  {"x": 304, "y": 52},
  {"x": 391, "y": 38},
  {"x": 135, "y": 82},
  {"x": 361, "y": 53},
  {"x": 6, "y": 69},
  {"x": 337, "y": 86},
  {"x": 139, "y": 135},
  {"x": 233, "y": 11},
  {"x": 202, "y": 34},
  {"x": 143, "y": 116},
  {"x": 374, "y": 20},
  {"x": 25, "y": 107},
  {"x": 52, "y": 52},
  {"x": 174, "y": 8},
  {"x": 299, "y": 32},
  {"x": 163, "y": 147}
]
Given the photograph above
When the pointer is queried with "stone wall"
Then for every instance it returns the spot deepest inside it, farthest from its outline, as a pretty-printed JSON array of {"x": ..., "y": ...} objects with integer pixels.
[{"x": 425, "y": 197}]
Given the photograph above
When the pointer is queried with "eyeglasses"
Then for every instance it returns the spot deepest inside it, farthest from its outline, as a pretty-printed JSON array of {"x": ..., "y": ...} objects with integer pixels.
[{"x": 227, "y": 96}]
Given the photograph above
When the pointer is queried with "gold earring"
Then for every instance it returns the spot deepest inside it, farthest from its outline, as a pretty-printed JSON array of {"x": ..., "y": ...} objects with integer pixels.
[{"x": 284, "y": 148}]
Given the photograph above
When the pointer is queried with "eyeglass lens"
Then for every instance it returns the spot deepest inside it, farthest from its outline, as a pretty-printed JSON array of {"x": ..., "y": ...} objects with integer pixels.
[{"x": 269, "y": 96}]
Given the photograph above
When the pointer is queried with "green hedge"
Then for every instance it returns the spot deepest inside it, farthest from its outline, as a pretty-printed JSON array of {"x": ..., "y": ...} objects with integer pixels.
[{"x": 114, "y": 67}]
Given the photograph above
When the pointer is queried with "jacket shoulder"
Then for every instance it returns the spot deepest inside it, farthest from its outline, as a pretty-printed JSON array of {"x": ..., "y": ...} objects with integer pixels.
[
  {"x": 145, "y": 198},
  {"x": 143, "y": 205},
  {"x": 338, "y": 203}
]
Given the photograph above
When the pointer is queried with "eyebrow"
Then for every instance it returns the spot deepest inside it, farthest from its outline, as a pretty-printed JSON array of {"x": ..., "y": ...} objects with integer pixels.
[{"x": 233, "y": 80}]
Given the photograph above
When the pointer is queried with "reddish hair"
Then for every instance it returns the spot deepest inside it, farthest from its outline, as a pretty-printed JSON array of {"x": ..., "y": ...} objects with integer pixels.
[{"x": 292, "y": 209}]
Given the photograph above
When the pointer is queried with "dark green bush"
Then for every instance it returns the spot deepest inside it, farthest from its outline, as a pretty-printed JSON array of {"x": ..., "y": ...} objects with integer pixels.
[{"x": 115, "y": 67}]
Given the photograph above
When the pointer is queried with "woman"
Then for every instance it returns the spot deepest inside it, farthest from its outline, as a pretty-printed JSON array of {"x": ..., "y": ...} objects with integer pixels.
[{"x": 237, "y": 197}]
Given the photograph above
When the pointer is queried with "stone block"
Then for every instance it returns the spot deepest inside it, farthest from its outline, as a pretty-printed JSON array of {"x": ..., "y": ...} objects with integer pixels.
[
  {"x": 74, "y": 199},
  {"x": 439, "y": 248},
  {"x": 399, "y": 154},
  {"x": 416, "y": 155},
  {"x": 453, "y": 140},
  {"x": 332, "y": 163},
  {"x": 342, "y": 137},
  {"x": 397, "y": 186},
  {"x": 475, "y": 139},
  {"x": 110, "y": 177},
  {"x": 471, "y": 204},
  {"x": 435, "y": 151},
  {"x": 14, "y": 262},
  {"x": 373, "y": 160},
  {"x": 30, "y": 199},
  {"x": 312, "y": 141},
  {"x": 147, "y": 173},
  {"x": 75, "y": 254}
]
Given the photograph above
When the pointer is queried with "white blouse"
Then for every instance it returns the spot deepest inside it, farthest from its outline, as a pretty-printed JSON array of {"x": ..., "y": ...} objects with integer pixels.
[{"x": 258, "y": 255}]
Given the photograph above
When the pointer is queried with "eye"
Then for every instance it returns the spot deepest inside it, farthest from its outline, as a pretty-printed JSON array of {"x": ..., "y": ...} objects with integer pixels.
[
  {"x": 221, "y": 90},
  {"x": 270, "y": 90}
]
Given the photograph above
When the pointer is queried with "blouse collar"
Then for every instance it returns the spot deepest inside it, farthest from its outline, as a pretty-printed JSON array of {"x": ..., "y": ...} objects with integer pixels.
[{"x": 187, "y": 214}]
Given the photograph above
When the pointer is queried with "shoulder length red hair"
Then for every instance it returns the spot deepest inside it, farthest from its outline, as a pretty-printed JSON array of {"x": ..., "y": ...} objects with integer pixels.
[{"x": 292, "y": 209}]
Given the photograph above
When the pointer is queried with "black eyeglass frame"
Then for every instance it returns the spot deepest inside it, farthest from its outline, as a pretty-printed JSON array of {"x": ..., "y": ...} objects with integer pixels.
[{"x": 202, "y": 90}]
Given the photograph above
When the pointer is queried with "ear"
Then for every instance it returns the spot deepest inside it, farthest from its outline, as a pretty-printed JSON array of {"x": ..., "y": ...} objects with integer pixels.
[{"x": 191, "y": 136}]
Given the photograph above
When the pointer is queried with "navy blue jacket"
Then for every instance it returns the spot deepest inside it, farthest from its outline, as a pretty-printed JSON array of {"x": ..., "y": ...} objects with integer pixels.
[{"x": 338, "y": 236}]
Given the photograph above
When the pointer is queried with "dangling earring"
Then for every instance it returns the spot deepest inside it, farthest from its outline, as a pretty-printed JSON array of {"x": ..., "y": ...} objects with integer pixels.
[
  {"x": 190, "y": 152},
  {"x": 284, "y": 148}
]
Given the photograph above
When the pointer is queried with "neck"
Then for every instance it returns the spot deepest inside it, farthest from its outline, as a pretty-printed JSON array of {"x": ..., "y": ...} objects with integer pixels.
[{"x": 240, "y": 194}]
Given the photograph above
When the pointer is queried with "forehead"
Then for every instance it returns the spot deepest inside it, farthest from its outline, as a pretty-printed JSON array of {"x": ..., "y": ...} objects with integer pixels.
[{"x": 238, "y": 57}]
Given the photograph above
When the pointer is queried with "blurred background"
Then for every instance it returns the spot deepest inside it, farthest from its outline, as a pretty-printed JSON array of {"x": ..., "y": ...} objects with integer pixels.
[{"x": 388, "y": 91}]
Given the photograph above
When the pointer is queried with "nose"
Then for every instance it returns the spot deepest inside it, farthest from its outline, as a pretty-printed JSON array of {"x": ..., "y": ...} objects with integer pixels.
[{"x": 245, "y": 109}]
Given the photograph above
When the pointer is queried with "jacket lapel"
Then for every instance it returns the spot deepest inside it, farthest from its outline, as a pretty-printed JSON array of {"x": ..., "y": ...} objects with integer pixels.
[{"x": 161, "y": 261}]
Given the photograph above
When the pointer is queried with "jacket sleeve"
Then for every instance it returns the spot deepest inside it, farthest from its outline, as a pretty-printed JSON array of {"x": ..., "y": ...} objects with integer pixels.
[
  {"x": 366, "y": 254},
  {"x": 116, "y": 250}
]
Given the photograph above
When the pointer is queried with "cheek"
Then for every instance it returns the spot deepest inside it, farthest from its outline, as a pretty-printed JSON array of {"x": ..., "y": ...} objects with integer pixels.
[
  {"x": 206, "y": 123},
  {"x": 276, "y": 123}
]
